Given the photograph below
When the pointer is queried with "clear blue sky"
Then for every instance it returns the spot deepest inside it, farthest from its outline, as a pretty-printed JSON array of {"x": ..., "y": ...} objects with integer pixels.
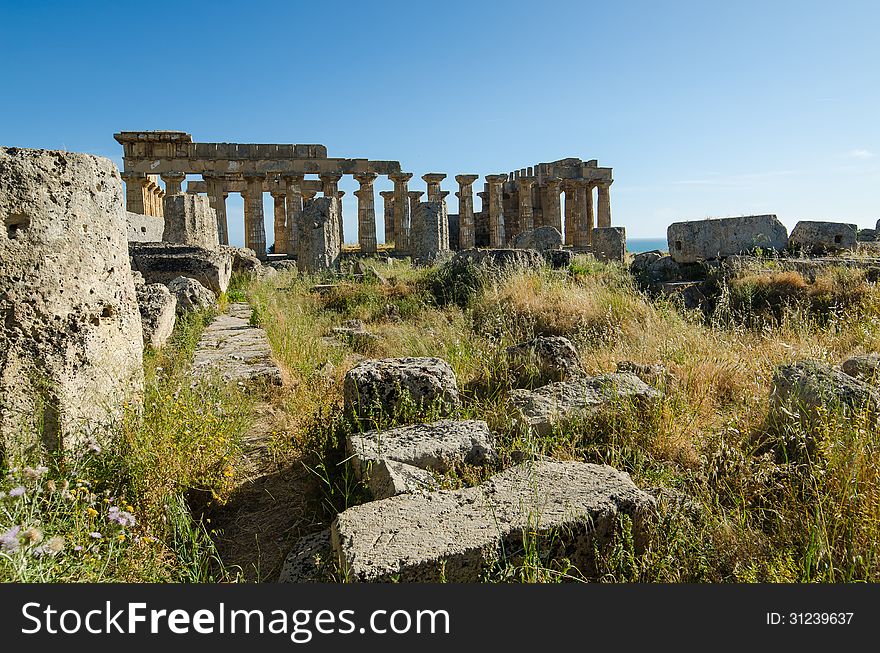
[{"x": 702, "y": 108}]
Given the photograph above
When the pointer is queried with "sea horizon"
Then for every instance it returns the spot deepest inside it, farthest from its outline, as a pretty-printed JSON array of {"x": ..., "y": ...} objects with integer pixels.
[{"x": 636, "y": 245}]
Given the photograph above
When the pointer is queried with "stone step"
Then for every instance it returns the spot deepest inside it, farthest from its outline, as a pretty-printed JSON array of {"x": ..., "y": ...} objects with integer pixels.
[
  {"x": 236, "y": 350},
  {"x": 457, "y": 535}
]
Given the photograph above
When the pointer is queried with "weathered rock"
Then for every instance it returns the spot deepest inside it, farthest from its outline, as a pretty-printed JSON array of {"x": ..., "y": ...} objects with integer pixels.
[
  {"x": 144, "y": 228},
  {"x": 437, "y": 447},
  {"x": 162, "y": 262},
  {"x": 244, "y": 260},
  {"x": 654, "y": 374},
  {"x": 642, "y": 260},
  {"x": 866, "y": 235},
  {"x": 285, "y": 265},
  {"x": 457, "y": 535},
  {"x": 557, "y": 404},
  {"x": 426, "y": 240},
  {"x": 664, "y": 269},
  {"x": 701, "y": 240},
  {"x": 382, "y": 385},
  {"x": 388, "y": 478},
  {"x": 318, "y": 243},
  {"x": 558, "y": 258},
  {"x": 191, "y": 295},
  {"x": 690, "y": 293},
  {"x": 807, "y": 389},
  {"x": 158, "y": 308},
  {"x": 821, "y": 237},
  {"x": 70, "y": 332},
  {"x": 236, "y": 350},
  {"x": 355, "y": 333},
  {"x": 609, "y": 244},
  {"x": 190, "y": 220},
  {"x": 540, "y": 239},
  {"x": 865, "y": 367},
  {"x": 311, "y": 560},
  {"x": 545, "y": 358}
]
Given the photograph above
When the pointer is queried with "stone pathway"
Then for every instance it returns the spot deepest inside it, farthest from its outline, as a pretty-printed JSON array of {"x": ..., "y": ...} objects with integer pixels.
[{"x": 236, "y": 350}]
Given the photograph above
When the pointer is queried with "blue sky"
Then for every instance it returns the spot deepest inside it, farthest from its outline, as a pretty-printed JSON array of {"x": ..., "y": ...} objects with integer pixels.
[{"x": 702, "y": 108}]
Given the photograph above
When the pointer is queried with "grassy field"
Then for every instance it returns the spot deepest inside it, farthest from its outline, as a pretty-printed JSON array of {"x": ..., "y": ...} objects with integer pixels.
[{"x": 736, "y": 503}]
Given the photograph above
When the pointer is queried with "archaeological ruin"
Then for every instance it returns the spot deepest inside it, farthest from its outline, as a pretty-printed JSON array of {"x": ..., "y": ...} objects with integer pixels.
[{"x": 512, "y": 204}]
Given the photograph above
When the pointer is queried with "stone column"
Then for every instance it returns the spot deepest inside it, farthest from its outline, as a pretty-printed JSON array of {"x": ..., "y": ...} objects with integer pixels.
[
  {"x": 401, "y": 211},
  {"x": 134, "y": 191},
  {"x": 496, "y": 210},
  {"x": 526, "y": 213},
  {"x": 217, "y": 198},
  {"x": 603, "y": 214},
  {"x": 366, "y": 212},
  {"x": 584, "y": 221},
  {"x": 294, "y": 197},
  {"x": 433, "y": 179},
  {"x": 466, "y": 226},
  {"x": 254, "y": 230},
  {"x": 173, "y": 183},
  {"x": 388, "y": 215},
  {"x": 444, "y": 220},
  {"x": 281, "y": 246},
  {"x": 415, "y": 196},
  {"x": 330, "y": 188},
  {"x": 571, "y": 216},
  {"x": 550, "y": 203}
]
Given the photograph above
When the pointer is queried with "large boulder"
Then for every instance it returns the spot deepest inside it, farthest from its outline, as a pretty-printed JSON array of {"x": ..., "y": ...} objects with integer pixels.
[
  {"x": 158, "y": 308},
  {"x": 558, "y": 404},
  {"x": 609, "y": 244},
  {"x": 545, "y": 359},
  {"x": 162, "y": 262},
  {"x": 808, "y": 390},
  {"x": 816, "y": 238},
  {"x": 381, "y": 386},
  {"x": 70, "y": 332},
  {"x": 540, "y": 239},
  {"x": 190, "y": 220},
  {"x": 701, "y": 240},
  {"x": 566, "y": 509},
  {"x": 318, "y": 244},
  {"x": 435, "y": 447},
  {"x": 191, "y": 295}
]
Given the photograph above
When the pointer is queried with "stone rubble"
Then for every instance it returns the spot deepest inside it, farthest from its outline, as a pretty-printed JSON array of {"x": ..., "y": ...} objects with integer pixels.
[{"x": 191, "y": 295}]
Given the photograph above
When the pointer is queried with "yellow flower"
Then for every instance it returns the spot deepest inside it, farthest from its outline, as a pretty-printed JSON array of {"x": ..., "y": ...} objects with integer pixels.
[
  {"x": 91, "y": 512},
  {"x": 121, "y": 537}
]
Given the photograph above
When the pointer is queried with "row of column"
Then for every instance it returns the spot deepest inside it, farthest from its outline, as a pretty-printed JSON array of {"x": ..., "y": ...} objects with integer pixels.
[{"x": 143, "y": 194}]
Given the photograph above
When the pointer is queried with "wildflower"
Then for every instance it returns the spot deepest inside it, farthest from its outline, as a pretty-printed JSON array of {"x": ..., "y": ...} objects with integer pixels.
[
  {"x": 9, "y": 539},
  {"x": 17, "y": 491},
  {"x": 77, "y": 548},
  {"x": 95, "y": 535},
  {"x": 51, "y": 548},
  {"x": 32, "y": 536},
  {"x": 65, "y": 485},
  {"x": 121, "y": 517},
  {"x": 91, "y": 512},
  {"x": 50, "y": 485},
  {"x": 121, "y": 537},
  {"x": 34, "y": 474}
]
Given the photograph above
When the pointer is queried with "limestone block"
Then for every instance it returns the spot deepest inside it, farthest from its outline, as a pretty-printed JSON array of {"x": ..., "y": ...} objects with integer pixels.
[
  {"x": 383, "y": 384},
  {"x": 426, "y": 238},
  {"x": 244, "y": 260},
  {"x": 557, "y": 404},
  {"x": 190, "y": 220},
  {"x": 701, "y": 240},
  {"x": 144, "y": 228},
  {"x": 546, "y": 358},
  {"x": 158, "y": 308},
  {"x": 866, "y": 235},
  {"x": 457, "y": 535},
  {"x": 865, "y": 367},
  {"x": 162, "y": 262},
  {"x": 609, "y": 243},
  {"x": 311, "y": 560},
  {"x": 499, "y": 261},
  {"x": 540, "y": 239},
  {"x": 318, "y": 242},
  {"x": 191, "y": 295},
  {"x": 70, "y": 331},
  {"x": 813, "y": 237},
  {"x": 558, "y": 259},
  {"x": 388, "y": 478}
]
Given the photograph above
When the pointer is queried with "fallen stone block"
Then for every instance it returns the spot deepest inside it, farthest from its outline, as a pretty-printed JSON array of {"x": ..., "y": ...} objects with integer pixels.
[
  {"x": 158, "y": 308},
  {"x": 458, "y": 535},
  {"x": 541, "y": 239},
  {"x": 558, "y": 259},
  {"x": 388, "y": 478},
  {"x": 71, "y": 342},
  {"x": 144, "y": 228},
  {"x": 654, "y": 374},
  {"x": 311, "y": 560},
  {"x": 701, "y": 240},
  {"x": 382, "y": 385},
  {"x": 816, "y": 238},
  {"x": 866, "y": 235},
  {"x": 545, "y": 358},
  {"x": 609, "y": 244},
  {"x": 865, "y": 367},
  {"x": 557, "y": 404},
  {"x": 244, "y": 260},
  {"x": 162, "y": 262},
  {"x": 190, "y": 220},
  {"x": 191, "y": 295},
  {"x": 235, "y": 350}
]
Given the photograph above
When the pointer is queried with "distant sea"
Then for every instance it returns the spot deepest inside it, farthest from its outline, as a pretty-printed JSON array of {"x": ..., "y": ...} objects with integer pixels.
[{"x": 636, "y": 245}]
